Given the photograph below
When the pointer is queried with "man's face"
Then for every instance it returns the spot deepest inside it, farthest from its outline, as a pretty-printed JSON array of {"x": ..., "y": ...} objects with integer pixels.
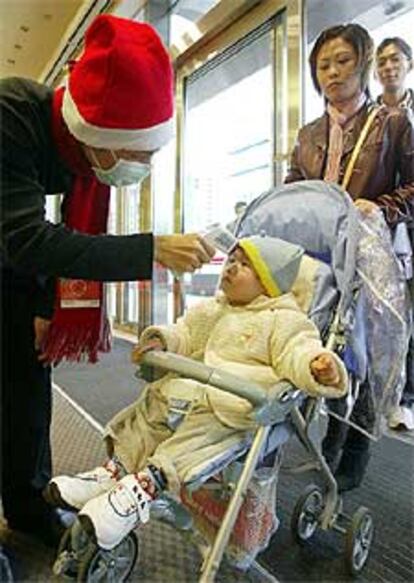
[
  {"x": 392, "y": 67},
  {"x": 239, "y": 280}
]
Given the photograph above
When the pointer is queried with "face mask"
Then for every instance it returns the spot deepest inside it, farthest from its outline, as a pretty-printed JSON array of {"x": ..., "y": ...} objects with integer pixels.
[{"x": 123, "y": 173}]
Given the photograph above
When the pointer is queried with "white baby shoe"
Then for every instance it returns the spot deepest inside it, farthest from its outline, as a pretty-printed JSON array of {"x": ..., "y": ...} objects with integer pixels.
[
  {"x": 73, "y": 492},
  {"x": 108, "y": 518}
]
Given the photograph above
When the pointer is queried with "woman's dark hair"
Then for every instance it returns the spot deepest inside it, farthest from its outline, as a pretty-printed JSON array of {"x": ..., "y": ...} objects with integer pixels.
[
  {"x": 357, "y": 36},
  {"x": 398, "y": 42}
]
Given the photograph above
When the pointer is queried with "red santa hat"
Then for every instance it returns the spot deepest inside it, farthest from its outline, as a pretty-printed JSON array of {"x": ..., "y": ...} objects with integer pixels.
[{"x": 120, "y": 92}]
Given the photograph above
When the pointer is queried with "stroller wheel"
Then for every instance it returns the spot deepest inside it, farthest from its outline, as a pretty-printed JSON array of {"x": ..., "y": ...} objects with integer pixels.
[
  {"x": 358, "y": 540},
  {"x": 66, "y": 563},
  {"x": 306, "y": 513},
  {"x": 99, "y": 566}
]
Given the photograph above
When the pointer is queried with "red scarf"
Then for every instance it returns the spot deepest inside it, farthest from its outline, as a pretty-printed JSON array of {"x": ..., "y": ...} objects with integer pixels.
[{"x": 79, "y": 328}]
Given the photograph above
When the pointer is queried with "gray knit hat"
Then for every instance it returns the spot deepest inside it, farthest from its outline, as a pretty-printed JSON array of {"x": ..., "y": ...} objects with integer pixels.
[{"x": 275, "y": 261}]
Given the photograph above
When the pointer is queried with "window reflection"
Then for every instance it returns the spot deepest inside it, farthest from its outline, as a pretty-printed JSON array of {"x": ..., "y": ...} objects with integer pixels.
[
  {"x": 123, "y": 297},
  {"x": 163, "y": 185},
  {"x": 111, "y": 288},
  {"x": 228, "y": 145}
]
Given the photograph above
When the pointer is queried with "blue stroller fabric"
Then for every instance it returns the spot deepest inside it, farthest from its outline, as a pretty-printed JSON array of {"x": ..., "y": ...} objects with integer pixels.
[{"x": 360, "y": 277}]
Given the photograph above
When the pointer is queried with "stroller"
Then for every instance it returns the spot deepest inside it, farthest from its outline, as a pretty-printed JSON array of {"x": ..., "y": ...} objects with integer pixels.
[{"x": 348, "y": 275}]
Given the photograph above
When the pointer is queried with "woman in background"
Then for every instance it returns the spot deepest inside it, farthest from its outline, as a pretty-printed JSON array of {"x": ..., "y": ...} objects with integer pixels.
[{"x": 382, "y": 176}]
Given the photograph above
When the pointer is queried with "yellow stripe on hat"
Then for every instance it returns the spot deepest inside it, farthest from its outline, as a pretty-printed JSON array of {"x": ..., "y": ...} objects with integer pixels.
[{"x": 260, "y": 267}]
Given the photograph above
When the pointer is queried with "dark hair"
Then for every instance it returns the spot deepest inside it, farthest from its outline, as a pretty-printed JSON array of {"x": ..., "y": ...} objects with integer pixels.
[
  {"x": 397, "y": 41},
  {"x": 357, "y": 36}
]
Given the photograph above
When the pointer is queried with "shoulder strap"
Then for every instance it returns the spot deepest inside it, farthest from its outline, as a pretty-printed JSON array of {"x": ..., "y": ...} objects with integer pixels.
[{"x": 358, "y": 146}]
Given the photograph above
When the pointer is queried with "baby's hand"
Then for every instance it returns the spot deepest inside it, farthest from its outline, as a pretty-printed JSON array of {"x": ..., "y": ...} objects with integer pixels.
[
  {"x": 325, "y": 370},
  {"x": 141, "y": 348}
]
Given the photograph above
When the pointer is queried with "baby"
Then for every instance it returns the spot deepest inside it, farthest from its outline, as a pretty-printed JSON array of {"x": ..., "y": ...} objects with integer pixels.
[{"x": 180, "y": 432}]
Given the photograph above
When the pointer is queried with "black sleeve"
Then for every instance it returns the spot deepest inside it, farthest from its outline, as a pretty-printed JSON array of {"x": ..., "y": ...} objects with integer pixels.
[{"x": 33, "y": 245}]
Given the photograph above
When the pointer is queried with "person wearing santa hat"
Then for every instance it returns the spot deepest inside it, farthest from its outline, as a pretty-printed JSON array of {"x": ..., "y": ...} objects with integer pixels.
[{"x": 99, "y": 131}]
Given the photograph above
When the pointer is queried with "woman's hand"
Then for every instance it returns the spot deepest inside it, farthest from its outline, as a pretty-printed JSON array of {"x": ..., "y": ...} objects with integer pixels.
[
  {"x": 141, "y": 348},
  {"x": 324, "y": 370},
  {"x": 41, "y": 328},
  {"x": 365, "y": 206}
]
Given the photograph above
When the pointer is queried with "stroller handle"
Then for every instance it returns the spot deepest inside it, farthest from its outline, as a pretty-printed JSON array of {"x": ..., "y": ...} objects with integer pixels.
[{"x": 198, "y": 371}]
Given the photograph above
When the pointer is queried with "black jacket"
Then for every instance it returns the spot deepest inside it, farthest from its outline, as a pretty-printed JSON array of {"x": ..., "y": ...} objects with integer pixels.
[{"x": 30, "y": 170}]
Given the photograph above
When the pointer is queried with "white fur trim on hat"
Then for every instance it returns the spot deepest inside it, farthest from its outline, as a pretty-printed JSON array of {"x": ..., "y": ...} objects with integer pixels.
[{"x": 145, "y": 139}]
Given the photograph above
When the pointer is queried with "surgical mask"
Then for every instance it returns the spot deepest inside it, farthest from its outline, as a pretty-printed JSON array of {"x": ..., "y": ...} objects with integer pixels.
[{"x": 123, "y": 173}]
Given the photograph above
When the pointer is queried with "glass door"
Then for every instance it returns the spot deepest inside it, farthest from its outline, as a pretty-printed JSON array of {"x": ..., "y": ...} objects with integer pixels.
[
  {"x": 228, "y": 141},
  {"x": 238, "y": 103},
  {"x": 130, "y": 297},
  {"x": 163, "y": 185},
  {"x": 124, "y": 219}
]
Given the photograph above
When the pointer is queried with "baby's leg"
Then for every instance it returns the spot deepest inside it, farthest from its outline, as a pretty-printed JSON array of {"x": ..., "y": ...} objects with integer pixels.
[
  {"x": 134, "y": 433},
  {"x": 199, "y": 448},
  {"x": 194, "y": 446},
  {"x": 131, "y": 437}
]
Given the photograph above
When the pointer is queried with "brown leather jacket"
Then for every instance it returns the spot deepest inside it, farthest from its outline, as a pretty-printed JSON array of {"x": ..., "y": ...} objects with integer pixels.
[{"x": 384, "y": 169}]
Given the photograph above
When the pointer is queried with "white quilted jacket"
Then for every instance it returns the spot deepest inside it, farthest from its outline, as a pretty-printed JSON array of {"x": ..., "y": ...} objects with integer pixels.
[{"x": 266, "y": 341}]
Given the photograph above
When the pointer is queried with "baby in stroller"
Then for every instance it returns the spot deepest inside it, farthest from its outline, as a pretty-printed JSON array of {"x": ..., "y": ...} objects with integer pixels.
[{"x": 182, "y": 432}]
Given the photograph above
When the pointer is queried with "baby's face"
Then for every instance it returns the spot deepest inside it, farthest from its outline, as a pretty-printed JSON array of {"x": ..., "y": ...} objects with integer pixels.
[{"x": 239, "y": 280}]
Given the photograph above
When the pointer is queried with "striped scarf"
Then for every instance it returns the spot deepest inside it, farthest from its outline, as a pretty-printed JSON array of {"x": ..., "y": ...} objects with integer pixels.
[{"x": 337, "y": 122}]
